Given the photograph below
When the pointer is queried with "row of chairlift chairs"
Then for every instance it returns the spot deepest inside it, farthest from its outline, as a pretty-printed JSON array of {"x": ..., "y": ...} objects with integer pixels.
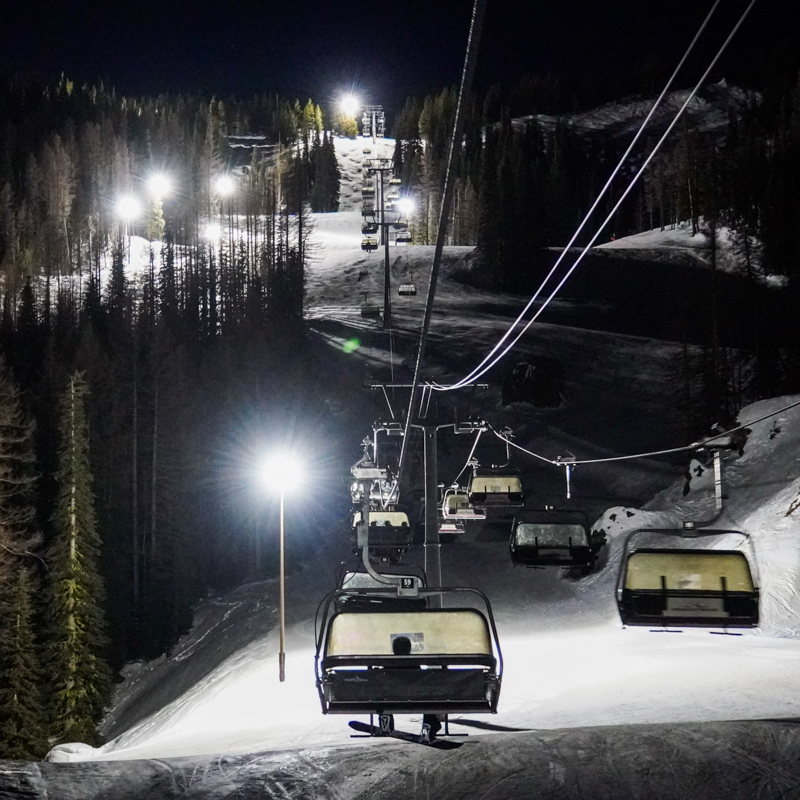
[{"x": 389, "y": 644}]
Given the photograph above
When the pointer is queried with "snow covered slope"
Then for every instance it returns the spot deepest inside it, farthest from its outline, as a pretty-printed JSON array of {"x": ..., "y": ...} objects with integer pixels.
[
  {"x": 709, "y": 111},
  {"x": 569, "y": 663}
]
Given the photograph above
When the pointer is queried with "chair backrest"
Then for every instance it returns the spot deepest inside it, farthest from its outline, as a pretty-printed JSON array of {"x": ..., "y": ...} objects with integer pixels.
[
  {"x": 457, "y": 500},
  {"x": 496, "y": 484},
  {"x": 549, "y": 534},
  {"x": 363, "y": 580},
  {"x": 688, "y": 570},
  {"x": 440, "y": 632},
  {"x": 380, "y": 518}
]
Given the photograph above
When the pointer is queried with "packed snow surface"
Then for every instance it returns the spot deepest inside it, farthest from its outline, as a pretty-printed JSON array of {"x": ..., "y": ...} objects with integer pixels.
[{"x": 568, "y": 661}]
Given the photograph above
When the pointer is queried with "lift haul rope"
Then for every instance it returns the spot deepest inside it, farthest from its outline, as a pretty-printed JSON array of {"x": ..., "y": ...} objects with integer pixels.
[
  {"x": 472, "y": 375},
  {"x": 473, "y": 40},
  {"x": 694, "y": 446},
  {"x": 483, "y": 368}
]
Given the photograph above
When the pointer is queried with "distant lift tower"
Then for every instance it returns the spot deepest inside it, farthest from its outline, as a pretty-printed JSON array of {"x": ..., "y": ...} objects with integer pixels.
[{"x": 373, "y": 122}]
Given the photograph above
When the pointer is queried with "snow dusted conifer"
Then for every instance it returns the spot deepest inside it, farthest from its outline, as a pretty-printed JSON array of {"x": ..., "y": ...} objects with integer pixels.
[
  {"x": 22, "y": 715},
  {"x": 79, "y": 675}
]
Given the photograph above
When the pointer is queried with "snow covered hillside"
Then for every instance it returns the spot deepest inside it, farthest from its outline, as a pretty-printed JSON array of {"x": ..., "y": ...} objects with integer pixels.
[
  {"x": 708, "y": 112},
  {"x": 569, "y": 663}
]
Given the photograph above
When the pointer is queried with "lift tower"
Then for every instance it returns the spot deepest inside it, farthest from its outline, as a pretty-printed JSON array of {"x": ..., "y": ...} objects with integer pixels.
[
  {"x": 373, "y": 122},
  {"x": 380, "y": 166}
]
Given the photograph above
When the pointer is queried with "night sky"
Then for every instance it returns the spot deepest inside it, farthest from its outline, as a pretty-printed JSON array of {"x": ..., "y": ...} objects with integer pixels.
[{"x": 387, "y": 50}]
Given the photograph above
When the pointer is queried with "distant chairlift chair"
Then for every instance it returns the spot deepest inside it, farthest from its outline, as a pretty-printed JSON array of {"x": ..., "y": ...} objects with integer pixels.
[
  {"x": 369, "y": 227},
  {"x": 554, "y": 538},
  {"x": 687, "y": 587},
  {"x": 455, "y": 664},
  {"x": 368, "y": 308},
  {"x": 457, "y": 506},
  {"x": 496, "y": 487},
  {"x": 390, "y": 533},
  {"x": 369, "y": 243},
  {"x": 407, "y": 289}
]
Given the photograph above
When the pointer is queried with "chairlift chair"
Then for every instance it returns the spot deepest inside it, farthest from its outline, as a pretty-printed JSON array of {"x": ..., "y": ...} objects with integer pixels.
[
  {"x": 553, "y": 538},
  {"x": 369, "y": 227},
  {"x": 366, "y": 150},
  {"x": 455, "y": 664},
  {"x": 496, "y": 487},
  {"x": 456, "y": 505},
  {"x": 407, "y": 290},
  {"x": 369, "y": 309},
  {"x": 390, "y": 533},
  {"x": 369, "y": 243},
  {"x": 407, "y": 599},
  {"x": 451, "y": 527},
  {"x": 400, "y": 225},
  {"x": 403, "y": 238},
  {"x": 394, "y": 181},
  {"x": 680, "y": 587},
  {"x": 367, "y": 191}
]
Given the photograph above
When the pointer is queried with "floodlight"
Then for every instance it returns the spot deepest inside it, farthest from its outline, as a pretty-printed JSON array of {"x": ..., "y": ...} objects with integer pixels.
[
  {"x": 159, "y": 186},
  {"x": 281, "y": 473},
  {"x": 405, "y": 205},
  {"x": 128, "y": 207},
  {"x": 225, "y": 185},
  {"x": 350, "y": 105}
]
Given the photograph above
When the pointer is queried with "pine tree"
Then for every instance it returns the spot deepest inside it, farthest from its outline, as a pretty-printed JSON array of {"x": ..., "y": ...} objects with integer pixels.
[
  {"x": 16, "y": 481},
  {"x": 22, "y": 716},
  {"x": 79, "y": 675}
]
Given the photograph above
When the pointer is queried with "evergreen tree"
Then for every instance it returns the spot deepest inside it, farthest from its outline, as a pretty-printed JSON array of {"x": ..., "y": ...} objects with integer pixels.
[
  {"x": 16, "y": 481},
  {"x": 79, "y": 675},
  {"x": 22, "y": 715}
]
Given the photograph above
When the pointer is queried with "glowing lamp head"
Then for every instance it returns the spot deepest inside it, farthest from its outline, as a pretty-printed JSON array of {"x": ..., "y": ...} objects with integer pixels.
[
  {"x": 281, "y": 473},
  {"x": 405, "y": 206},
  {"x": 212, "y": 232},
  {"x": 224, "y": 185},
  {"x": 128, "y": 207},
  {"x": 159, "y": 186},
  {"x": 349, "y": 105}
]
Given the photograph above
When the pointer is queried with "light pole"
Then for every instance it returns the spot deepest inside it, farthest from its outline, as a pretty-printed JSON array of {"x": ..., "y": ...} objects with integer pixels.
[{"x": 281, "y": 473}]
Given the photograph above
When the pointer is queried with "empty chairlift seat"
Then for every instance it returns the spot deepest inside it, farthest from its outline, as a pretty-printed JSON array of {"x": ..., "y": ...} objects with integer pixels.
[
  {"x": 558, "y": 538},
  {"x": 697, "y": 588},
  {"x": 407, "y": 290},
  {"x": 456, "y": 505},
  {"x": 498, "y": 487},
  {"x": 454, "y": 664}
]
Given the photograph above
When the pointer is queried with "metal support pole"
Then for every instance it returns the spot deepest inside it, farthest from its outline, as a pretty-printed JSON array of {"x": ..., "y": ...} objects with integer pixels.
[
  {"x": 568, "y": 474},
  {"x": 387, "y": 283},
  {"x": 282, "y": 654},
  {"x": 717, "y": 481},
  {"x": 433, "y": 556}
]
